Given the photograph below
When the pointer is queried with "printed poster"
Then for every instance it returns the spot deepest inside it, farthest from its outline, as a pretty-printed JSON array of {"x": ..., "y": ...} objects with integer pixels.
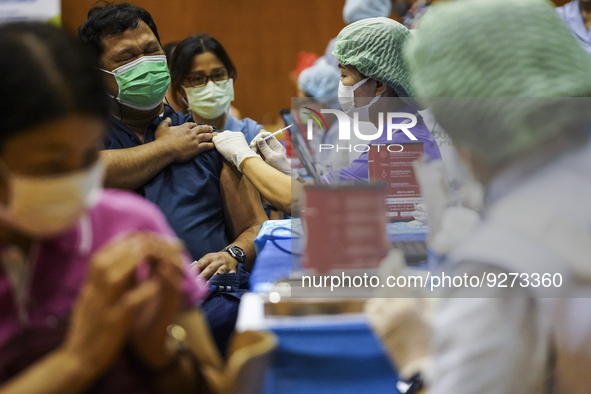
[{"x": 392, "y": 163}]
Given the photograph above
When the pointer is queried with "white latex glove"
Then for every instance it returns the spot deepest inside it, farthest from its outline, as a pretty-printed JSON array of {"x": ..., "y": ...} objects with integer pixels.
[
  {"x": 233, "y": 146},
  {"x": 403, "y": 325},
  {"x": 402, "y": 320},
  {"x": 272, "y": 151},
  {"x": 456, "y": 224}
]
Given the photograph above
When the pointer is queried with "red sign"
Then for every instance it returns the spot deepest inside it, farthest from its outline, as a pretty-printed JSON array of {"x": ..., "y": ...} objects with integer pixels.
[
  {"x": 345, "y": 227},
  {"x": 392, "y": 163}
]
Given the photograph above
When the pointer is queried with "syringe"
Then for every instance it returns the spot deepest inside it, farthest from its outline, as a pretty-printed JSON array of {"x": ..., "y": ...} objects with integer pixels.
[{"x": 277, "y": 132}]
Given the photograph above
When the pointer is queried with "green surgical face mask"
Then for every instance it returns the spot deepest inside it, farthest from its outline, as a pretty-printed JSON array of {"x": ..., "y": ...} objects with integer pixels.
[{"x": 142, "y": 83}]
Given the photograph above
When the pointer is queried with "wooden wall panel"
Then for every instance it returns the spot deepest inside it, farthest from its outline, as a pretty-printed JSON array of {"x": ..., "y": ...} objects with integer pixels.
[
  {"x": 263, "y": 38},
  {"x": 560, "y": 2}
]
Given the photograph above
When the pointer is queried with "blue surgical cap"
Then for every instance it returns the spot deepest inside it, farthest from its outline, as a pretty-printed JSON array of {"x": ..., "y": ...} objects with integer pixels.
[
  {"x": 355, "y": 10},
  {"x": 320, "y": 80}
]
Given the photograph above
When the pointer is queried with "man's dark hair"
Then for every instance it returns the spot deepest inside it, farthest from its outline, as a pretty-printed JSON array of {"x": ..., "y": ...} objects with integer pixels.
[
  {"x": 46, "y": 75},
  {"x": 186, "y": 50},
  {"x": 106, "y": 18}
]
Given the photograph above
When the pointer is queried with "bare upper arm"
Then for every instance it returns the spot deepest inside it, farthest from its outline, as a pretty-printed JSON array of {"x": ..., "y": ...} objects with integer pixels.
[{"x": 242, "y": 202}]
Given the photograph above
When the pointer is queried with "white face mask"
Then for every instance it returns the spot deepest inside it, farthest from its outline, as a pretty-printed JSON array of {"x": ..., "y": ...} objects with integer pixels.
[
  {"x": 44, "y": 206},
  {"x": 346, "y": 96},
  {"x": 212, "y": 100}
]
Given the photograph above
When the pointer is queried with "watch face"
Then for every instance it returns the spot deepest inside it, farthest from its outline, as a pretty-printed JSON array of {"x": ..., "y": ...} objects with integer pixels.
[{"x": 237, "y": 253}]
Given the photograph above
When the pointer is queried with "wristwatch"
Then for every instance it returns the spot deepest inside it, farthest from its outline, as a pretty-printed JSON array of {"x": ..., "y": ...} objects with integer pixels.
[
  {"x": 411, "y": 386},
  {"x": 236, "y": 252}
]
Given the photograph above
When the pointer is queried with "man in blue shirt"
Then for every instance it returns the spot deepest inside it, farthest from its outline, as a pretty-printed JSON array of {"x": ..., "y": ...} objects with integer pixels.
[
  {"x": 163, "y": 155},
  {"x": 577, "y": 16}
]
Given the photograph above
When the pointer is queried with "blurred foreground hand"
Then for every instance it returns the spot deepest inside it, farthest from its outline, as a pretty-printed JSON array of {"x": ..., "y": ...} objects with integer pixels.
[{"x": 403, "y": 321}]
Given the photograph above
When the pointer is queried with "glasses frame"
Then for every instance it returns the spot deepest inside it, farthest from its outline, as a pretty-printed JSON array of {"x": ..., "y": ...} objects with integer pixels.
[{"x": 208, "y": 78}]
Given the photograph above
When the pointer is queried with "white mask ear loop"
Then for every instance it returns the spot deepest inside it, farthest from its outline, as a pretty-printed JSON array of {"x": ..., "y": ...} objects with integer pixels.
[
  {"x": 185, "y": 100},
  {"x": 354, "y": 87},
  {"x": 376, "y": 98},
  {"x": 118, "y": 87}
]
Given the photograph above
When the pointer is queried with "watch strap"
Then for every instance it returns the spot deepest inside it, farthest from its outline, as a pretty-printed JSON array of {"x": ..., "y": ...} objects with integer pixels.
[
  {"x": 236, "y": 252},
  {"x": 411, "y": 386}
]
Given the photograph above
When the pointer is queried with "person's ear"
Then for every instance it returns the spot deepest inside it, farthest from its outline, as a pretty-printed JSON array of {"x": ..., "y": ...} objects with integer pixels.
[
  {"x": 181, "y": 98},
  {"x": 180, "y": 93},
  {"x": 380, "y": 87}
]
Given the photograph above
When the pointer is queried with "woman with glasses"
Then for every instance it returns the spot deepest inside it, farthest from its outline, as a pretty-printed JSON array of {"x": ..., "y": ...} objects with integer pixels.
[{"x": 202, "y": 78}]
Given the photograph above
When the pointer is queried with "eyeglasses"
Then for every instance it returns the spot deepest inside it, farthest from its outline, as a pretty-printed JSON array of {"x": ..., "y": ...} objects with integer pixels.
[{"x": 197, "y": 80}]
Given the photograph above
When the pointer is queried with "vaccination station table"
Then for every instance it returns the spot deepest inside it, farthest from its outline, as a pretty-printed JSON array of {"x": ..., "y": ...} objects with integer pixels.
[{"x": 328, "y": 354}]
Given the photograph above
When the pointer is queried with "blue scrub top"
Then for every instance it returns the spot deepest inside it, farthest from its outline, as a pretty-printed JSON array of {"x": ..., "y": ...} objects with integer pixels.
[
  {"x": 358, "y": 169},
  {"x": 187, "y": 193},
  {"x": 570, "y": 13},
  {"x": 247, "y": 126}
]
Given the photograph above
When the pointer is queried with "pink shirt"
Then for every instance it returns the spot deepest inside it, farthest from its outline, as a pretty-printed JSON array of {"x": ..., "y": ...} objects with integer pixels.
[{"x": 61, "y": 263}]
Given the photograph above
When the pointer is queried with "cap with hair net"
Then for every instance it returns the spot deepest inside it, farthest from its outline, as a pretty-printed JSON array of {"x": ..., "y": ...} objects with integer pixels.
[
  {"x": 355, "y": 10},
  {"x": 320, "y": 80},
  {"x": 516, "y": 57},
  {"x": 375, "y": 48}
]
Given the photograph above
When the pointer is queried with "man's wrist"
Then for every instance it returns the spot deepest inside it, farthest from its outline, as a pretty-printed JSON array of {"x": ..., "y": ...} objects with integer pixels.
[
  {"x": 166, "y": 149},
  {"x": 236, "y": 252}
]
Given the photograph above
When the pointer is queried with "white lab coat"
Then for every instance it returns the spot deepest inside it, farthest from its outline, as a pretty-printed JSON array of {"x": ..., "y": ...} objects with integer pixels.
[{"x": 524, "y": 340}]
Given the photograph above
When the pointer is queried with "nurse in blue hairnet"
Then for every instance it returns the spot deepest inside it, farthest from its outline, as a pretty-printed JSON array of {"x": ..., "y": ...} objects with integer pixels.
[{"x": 318, "y": 86}]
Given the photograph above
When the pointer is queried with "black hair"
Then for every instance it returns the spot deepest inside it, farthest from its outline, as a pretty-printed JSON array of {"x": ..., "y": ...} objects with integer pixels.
[
  {"x": 46, "y": 75},
  {"x": 168, "y": 50},
  {"x": 186, "y": 50},
  {"x": 106, "y": 18}
]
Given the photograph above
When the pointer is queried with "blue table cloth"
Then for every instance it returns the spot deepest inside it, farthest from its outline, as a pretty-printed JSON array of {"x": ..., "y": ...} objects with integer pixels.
[
  {"x": 403, "y": 231},
  {"x": 278, "y": 229},
  {"x": 320, "y": 358},
  {"x": 292, "y": 228},
  {"x": 278, "y": 238},
  {"x": 274, "y": 262},
  {"x": 339, "y": 359}
]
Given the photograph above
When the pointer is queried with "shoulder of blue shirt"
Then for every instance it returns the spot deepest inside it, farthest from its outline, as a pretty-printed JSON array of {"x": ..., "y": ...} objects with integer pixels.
[
  {"x": 113, "y": 141},
  {"x": 179, "y": 118},
  {"x": 247, "y": 126}
]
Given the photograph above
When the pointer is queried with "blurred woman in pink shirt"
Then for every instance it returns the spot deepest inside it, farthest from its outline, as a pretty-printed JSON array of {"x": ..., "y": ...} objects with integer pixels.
[{"x": 95, "y": 294}]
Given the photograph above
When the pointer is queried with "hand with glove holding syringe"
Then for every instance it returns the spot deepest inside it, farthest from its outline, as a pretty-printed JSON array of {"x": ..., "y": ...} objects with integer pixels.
[
  {"x": 272, "y": 151},
  {"x": 268, "y": 166}
]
